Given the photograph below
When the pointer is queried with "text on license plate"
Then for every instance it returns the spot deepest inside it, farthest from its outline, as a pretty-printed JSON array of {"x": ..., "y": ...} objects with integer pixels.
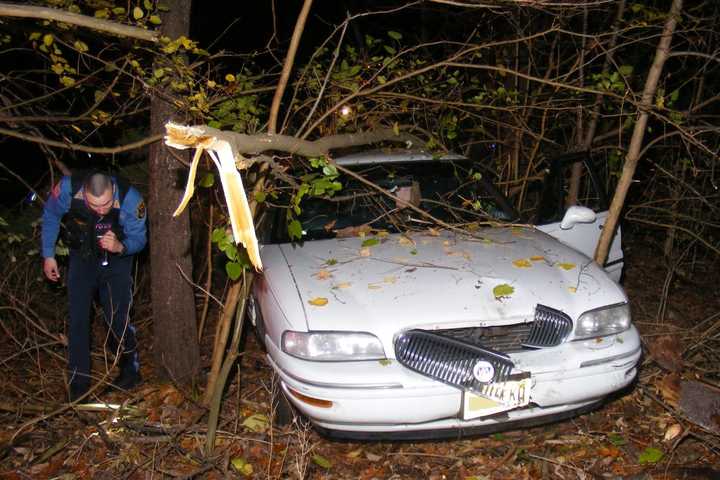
[{"x": 496, "y": 398}]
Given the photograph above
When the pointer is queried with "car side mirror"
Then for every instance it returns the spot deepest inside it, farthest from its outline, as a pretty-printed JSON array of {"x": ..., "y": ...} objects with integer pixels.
[{"x": 575, "y": 215}]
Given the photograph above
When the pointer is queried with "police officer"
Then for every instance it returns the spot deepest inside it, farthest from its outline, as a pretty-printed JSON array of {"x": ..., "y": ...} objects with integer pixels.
[{"x": 104, "y": 219}]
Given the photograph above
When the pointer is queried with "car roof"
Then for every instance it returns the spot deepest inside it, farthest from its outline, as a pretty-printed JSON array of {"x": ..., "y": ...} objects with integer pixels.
[{"x": 372, "y": 157}]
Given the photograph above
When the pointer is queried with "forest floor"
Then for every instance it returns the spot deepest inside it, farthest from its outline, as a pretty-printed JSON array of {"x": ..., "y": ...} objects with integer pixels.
[{"x": 649, "y": 432}]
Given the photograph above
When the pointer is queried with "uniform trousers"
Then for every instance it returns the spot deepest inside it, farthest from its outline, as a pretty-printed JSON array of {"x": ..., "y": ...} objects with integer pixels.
[{"x": 112, "y": 284}]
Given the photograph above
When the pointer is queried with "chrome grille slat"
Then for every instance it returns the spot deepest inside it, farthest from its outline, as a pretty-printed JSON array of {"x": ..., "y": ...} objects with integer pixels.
[
  {"x": 448, "y": 360},
  {"x": 550, "y": 328}
]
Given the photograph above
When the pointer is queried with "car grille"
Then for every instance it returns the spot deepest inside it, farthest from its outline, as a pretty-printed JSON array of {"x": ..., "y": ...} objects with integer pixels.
[
  {"x": 448, "y": 360},
  {"x": 549, "y": 329}
]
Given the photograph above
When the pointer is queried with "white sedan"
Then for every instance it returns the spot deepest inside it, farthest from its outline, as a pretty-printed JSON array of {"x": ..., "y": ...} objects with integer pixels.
[{"x": 382, "y": 325}]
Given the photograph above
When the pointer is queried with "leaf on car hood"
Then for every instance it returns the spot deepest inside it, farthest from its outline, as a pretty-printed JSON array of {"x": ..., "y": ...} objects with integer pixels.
[
  {"x": 365, "y": 252},
  {"x": 323, "y": 274},
  {"x": 537, "y": 258},
  {"x": 503, "y": 291},
  {"x": 348, "y": 232},
  {"x": 522, "y": 263},
  {"x": 406, "y": 241},
  {"x": 341, "y": 286},
  {"x": 370, "y": 242},
  {"x": 566, "y": 266},
  {"x": 318, "y": 301}
]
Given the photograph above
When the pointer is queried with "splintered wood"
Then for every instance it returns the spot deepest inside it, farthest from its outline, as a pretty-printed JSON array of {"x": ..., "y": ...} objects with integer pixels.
[{"x": 227, "y": 162}]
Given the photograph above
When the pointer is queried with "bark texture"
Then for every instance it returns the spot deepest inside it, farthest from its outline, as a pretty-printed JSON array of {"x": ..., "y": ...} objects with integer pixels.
[{"x": 173, "y": 301}]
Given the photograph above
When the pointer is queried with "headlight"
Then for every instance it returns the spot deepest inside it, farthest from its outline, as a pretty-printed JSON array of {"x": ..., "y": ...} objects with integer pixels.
[
  {"x": 332, "y": 346},
  {"x": 603, "y": 321}
]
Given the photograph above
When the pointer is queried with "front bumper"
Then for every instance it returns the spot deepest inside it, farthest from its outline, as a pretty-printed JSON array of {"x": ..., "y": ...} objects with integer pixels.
[{"x": 377, "y": 397}]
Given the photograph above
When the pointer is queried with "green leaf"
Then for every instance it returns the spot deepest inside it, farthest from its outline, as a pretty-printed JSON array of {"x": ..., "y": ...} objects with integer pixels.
[
  {"x": 217, "y": 235},
  {"x": 155, "y": 20},
  {"x": 321, "y": 461},
  {"x": 80, "y": 46},
  {"x": 650, "y": 455},
  {"x": 370, "y": 242},
  {"x": 331, "y": 262},
  {"x": 242, "y": 466},
  {"x": 395, "y": 35},
  {"x": 257, "y": 423},
  {"x": 3, "y": 222},
  {"x": 214, "y": 124},
  {"x": 617, "y": 439},
  {"x": 138, "y": 13},
  {"x": 233, "y": 270},
  {"x": 626, "y": 70},
  {"x": 67, "y": 81},
  {"x": 295, "y": 230},
  {"x": 260, "y": 197},
  {"x": 385, "y": 362},
  {"x": 389, "y": 49},
  {"x": 330, "y": 170},
  {"x": 208, "y": 180},
  {"x": 503, "y": 290}
]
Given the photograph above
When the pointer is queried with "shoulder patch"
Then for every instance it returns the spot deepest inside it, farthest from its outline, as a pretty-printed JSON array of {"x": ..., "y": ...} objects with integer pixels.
[{"x": 140, "y": 211}]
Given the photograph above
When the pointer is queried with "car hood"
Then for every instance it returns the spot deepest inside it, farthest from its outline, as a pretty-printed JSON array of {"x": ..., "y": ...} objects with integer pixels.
[{"x": 432, "y": 280}]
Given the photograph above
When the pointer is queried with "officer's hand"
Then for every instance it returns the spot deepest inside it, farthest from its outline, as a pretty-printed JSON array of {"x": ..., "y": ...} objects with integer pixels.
[
  {"x": 50, "y": 269},
  {"x": 110, "y": 242}
]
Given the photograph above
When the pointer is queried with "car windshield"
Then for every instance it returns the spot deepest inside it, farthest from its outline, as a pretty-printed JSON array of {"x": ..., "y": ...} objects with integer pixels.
[{"x": 458, "y": 192}]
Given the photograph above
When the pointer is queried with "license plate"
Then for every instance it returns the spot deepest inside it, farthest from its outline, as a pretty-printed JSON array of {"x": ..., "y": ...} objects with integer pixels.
[{"x": 495, "y": 398}]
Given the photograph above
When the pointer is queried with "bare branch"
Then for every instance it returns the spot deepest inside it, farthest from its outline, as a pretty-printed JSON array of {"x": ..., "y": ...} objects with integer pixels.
[
  {"x": 43, "y": 13},
  {"x": 82, "y": 148}
]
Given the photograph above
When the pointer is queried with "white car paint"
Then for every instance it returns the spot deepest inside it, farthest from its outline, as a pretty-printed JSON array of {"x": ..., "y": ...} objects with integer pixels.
[
  {"x": 584, "y": 237},
  {"x": 429, "y": 281}
]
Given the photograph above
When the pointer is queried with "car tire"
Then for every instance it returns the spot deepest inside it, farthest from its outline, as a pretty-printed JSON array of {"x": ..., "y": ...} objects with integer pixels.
[
  {"x": 256, "y": 318},
  {"x": 283, "y": 413}
]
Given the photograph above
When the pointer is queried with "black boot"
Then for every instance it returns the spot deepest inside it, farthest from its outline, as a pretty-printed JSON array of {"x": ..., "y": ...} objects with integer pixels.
[
  {"x": 127, "y": 380},
  {"x": 77, "y": 390},
  {"x": 129, "y": 372}
]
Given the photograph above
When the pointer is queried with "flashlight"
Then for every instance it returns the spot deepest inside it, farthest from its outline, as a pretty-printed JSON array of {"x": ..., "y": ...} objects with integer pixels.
[{"x": 104, "y": 261}]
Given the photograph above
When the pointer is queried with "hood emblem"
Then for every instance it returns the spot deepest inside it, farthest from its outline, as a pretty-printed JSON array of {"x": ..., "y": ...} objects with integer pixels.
[{"x": 483, "y": 371}]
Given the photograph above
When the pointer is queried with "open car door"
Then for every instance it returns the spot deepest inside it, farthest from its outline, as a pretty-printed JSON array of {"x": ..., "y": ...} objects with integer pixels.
[{"x": 578, "y": 223}]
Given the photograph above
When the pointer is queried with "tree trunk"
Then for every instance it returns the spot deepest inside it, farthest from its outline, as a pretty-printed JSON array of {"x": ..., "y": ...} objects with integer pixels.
[
  {"x": 633, "y": 155},
  {"x": 173, "y": 302}
]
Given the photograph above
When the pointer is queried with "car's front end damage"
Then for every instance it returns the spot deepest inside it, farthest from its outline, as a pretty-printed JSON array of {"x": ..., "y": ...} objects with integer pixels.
[
  {"x": 436, "y": 335},
  {"x": 364, "y": 399}
]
